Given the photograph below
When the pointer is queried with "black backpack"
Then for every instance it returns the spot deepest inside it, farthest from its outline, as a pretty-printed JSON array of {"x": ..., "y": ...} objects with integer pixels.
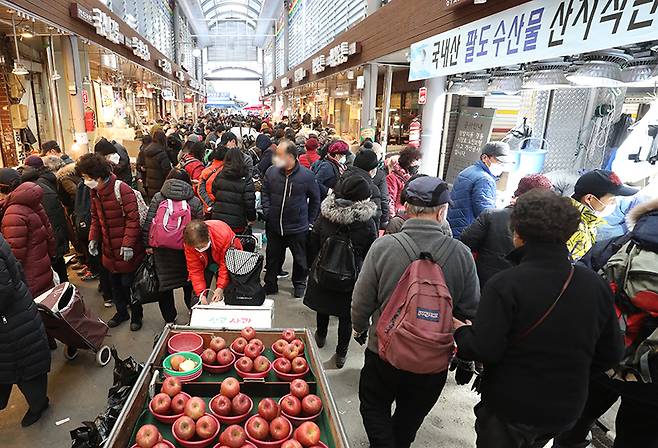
[
  {"x": 335, "y": 266},
  {"x": 244, "y": 268}
]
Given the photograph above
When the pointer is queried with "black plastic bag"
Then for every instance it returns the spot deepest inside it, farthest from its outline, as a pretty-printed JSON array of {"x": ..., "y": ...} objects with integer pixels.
[
  {"x": 94, "y": 434},
  {"x": 146, "y": 285}
]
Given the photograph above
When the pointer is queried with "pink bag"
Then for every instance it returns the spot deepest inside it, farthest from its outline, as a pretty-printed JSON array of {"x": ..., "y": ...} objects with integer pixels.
[
  {"x": 169, "y": 223},
  {"x": 415, "y": 328}
]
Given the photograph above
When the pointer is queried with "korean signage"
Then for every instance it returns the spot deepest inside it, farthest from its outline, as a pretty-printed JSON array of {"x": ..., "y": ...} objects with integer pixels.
[
  {"x": 454, "y": 4},
  {"x": 285, "y": 82},
  {"x": 107, "y": 27},
  {"x": 473, "y": 131},
  {"x": 165, "y": 66},
  {"x": 539, "y": 29},
  {"x": 338, "y": 55},
  {"x": 300, "y": 74}
]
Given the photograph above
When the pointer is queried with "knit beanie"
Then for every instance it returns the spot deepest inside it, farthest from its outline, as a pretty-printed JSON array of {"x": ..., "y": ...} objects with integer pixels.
[
  {"x": 104, "y": 148},
  {"x": 312, "y": 144},
  {"x": 353, "y": 188},
  {"x": 34, "y": 161},
  {"x": 366, "y": 159},
  {"x": 339, "y": 147},
  {"x": 532, "y": 181}
]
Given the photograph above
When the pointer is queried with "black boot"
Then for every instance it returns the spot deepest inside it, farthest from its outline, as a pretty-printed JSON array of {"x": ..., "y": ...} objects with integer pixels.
[{"x": 31, "y": 417}]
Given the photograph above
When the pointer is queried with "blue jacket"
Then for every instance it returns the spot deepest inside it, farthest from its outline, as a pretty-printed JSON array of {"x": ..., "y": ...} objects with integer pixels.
[
  {"x": 291, "y": 203},
  {"x": 326, "y": 174},
  {"x": 473, "y": 192}
]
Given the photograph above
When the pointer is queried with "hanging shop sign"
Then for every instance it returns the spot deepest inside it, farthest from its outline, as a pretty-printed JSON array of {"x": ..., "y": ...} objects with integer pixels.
[
  {"x": 285, "y": 82},
  {"x": 300, "y": 74},
  {"x": 422, "y": 95},
  {"x": 109, "y": 28},
  {"x": 540, "y": 29},
  {"x": 165, "y": 66},
  {"x": 180, "y": 75},
  {"x": 455, "y": 4},
  {"x": 338, "y": 55}
]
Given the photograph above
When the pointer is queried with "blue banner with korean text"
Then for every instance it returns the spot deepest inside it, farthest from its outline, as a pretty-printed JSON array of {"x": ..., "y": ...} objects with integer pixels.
[{"x": 536, "y": 30}]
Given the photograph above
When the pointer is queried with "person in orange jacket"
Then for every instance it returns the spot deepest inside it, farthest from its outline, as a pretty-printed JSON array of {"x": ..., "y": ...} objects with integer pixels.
[
  {"x": 206, "y": 243},
  {"x": 207, "y": 177}
]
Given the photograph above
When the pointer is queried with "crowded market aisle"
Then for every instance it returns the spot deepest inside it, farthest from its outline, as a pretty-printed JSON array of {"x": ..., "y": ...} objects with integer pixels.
[{"x": 78, "y": 389}]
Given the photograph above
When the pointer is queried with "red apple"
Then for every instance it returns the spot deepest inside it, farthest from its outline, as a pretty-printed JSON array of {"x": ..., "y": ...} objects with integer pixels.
[
  {"x": 299, "y": 388},
  {"x": 283, "y": 365},
  {"x": 268, "y": 409},
  {"x": 248, "y": 333},
  {"x": 172, "y": 386},
  {"x": 279, "y": 428},
  {"x": 217, "y": 343},
  {"x": 299, "y": 365},
  {"x": 288, "y": 335},
  {"x": 299, "y": 344},
  {"x": 184, "y": 427},
  {"x": 257, "y": 342},
  {"x": 224, "y": 357},
  {"x": 209, "y": 356},
  {"x": 279, "y": 346},
  {"x": 161, "y": 404},
  {"x": 311, "y": 404},
  {"x": 290, "y": 352},
  {"x": 233, "y": 437},
  {"x": 161, "y": 445},
  {"x": 308, "y": 434},
  {"x": 206, "y": 427},
  {"x": 230, "y": 387},
  {"x": 244, "y": 364},
  {"x": 258, "y": 428},
  {"x": 147, "y": 436},
  {"x": 195, "y": 408},
  {"x": 178, "y": 403},
  {"x": 292, "y": 443},
  {"x": 241, "y": 404},
  {"x": 175, "y": 361},
  {"x": 261, "y": 364},
  {"x": 239, "y": 345},
  {"x": 291, "y": 405},
  {"x": 252, "y": 350},
  {"x": 221, "y": 406}
]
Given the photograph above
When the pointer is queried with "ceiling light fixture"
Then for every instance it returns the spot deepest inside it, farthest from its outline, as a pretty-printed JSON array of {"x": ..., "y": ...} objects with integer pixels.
[
  {"x": 19, "y": 68},
  {"x": 642, "y": 71},
  {"x": 26, "y": 33},
  {"x": 547, "y": 75},
  {"x": 600, "y": 69},
  {"x": 476, "y": 83},
  {"x": 507, "y": 81},
  {"x": 196, "y": 52}
]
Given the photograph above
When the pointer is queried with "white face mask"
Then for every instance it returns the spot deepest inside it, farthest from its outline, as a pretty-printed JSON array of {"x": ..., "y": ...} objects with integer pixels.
[
  {"x": 497, "y": 169},
  {"x": 91, "y": 183},
  {"x": 607, "y": 209},
  {"x": 342, "y": 160},
  {"x": 278, "y": 162},
  {"x": 204, "y": 248},
  {"x": 373, "y": 172},
  {"x": 114, "y": 158}
]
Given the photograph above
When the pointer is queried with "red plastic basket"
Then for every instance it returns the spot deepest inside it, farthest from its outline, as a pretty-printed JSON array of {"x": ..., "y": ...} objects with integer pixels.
[
  {"x": 231, "y": 419},
  {"x": 296, "y": 421},
  {"x": 185, "y": 342},
  {"x": 219, "y": 369},
  {"x": 289, "y": 376},
  {"x": 197, "y": 443},
  {"x": 262, "y": 444},
  {"x": 167, "y": 419}
]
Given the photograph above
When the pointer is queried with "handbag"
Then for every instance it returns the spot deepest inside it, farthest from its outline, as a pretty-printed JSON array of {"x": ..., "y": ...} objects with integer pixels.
[
  {"x": 244, "y": 268},
  {"x": 145, "y": 287}
]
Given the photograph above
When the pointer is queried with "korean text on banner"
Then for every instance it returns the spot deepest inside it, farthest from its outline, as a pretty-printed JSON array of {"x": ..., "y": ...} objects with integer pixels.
[{"x": 539, "y": 29}]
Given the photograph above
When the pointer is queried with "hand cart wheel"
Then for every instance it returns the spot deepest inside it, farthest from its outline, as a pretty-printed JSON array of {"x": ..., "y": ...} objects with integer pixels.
[
  {"x": 70, "y": 353},
  {"x": 103, "y": 356}
]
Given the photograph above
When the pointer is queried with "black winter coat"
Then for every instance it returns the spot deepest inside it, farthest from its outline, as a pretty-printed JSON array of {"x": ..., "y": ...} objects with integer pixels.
[
  {"x": 375, "y": 194},
  {"x": 380, "y": 182},
  {"x": 123, "y": 169},
  {"x": 235, "y": 200},
  {"x": 490, "y": 237},
  {"x": 170, "y": 264},
  {"x": 542, "y": 379},
  {"x": 157, "y": 166},
  {"x": 52, "y": 205},
  {"x": 359, "y": 218},
  {"x": 24, "y": 352},
  {"x": 291, "y": 202}
]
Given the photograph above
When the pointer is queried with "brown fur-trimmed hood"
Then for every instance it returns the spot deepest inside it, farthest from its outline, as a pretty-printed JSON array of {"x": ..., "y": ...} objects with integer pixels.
[{"x": 640, "y": 210}]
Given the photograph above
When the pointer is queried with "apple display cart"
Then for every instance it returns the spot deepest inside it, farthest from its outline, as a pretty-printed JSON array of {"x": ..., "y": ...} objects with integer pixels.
[
  {"x": 68, "y": 320},
  {"x": 136, "y": 410}
]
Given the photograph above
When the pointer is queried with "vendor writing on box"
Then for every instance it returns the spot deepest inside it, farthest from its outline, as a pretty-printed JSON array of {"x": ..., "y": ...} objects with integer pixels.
[{"x": 206, "y": 243}]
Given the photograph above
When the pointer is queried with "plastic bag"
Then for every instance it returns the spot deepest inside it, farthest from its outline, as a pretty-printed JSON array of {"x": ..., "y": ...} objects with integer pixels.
[
  {"x": 146, "y": 285},
  {"x": 94, "y": 434}
]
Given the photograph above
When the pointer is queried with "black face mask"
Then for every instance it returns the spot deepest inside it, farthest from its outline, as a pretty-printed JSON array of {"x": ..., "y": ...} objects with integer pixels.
[{"x": 413, "y": 170}]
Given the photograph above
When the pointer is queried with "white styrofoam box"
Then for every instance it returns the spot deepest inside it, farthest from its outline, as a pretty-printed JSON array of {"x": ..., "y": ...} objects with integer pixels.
[{"x": 219, "y": 315}]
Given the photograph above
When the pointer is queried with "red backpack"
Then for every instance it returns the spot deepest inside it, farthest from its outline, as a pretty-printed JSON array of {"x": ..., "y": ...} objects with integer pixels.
[
  {"x": 169, "y": 223},
  {"x": 415, "y": 328}
]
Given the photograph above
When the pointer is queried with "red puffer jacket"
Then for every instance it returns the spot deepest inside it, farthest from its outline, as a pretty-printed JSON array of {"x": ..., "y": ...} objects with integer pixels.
[
  {"x": 221, "y": 236},
  {"x": 116, "y": 226},
  {"x": 26, "y": 228}
]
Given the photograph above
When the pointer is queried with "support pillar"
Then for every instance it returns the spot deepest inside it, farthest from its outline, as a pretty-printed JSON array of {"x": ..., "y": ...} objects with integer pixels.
[
  {"x": 286, "y": 41},
  {"x": 386, "y": 105},
  {"x": 54, "y": 96},
  {"x": 368, "y": 113},
  {"x": 433, "y": 120},
  {"x": 73, "y": 76}
]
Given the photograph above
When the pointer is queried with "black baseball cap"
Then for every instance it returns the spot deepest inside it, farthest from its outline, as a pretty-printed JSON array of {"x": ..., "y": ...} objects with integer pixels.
[
  {"x": 499, "y": 150},
  {"x": 427, "y": 191},
  {"x": 602, "y": 182}
]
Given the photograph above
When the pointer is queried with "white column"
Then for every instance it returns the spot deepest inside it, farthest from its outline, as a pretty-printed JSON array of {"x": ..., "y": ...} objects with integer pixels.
[
  {"x": 432, "y": 122},
  {"x": 71, "y": 58},
  {"x": 386, "y": 112},
  {"x": 368, "y": 113}
]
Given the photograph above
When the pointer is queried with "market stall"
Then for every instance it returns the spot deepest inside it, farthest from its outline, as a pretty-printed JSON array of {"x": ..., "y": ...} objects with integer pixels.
[{"x": 271, "y": 382}]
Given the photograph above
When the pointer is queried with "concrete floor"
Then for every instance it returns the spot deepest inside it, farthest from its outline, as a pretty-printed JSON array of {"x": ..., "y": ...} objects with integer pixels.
[{"x": 78, "y": 389}]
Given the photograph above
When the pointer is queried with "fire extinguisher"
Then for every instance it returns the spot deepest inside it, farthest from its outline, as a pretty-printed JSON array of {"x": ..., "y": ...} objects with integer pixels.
[
  {"x": 90, "y": 120},
  {"x": 414, "y": 133}
]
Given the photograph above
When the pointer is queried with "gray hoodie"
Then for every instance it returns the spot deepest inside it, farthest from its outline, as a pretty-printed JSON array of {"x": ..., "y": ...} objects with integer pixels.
[{"x": 386, "y": 262}]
